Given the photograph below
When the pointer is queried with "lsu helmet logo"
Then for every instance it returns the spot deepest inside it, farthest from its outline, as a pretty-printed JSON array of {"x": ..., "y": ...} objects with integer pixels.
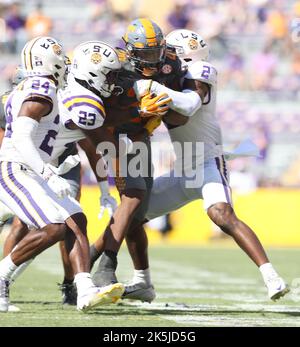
[
  {"x": 193, "y": 44},
  {"x": 57, "y": 49},
  {"x": 96, "y": 58}
]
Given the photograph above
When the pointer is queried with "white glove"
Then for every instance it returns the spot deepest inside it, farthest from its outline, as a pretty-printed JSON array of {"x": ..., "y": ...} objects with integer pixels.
[
  {"x": 59, "y": 185},
  {"x": 106, "y": 200},
  {"x": 68, "y": 164}
]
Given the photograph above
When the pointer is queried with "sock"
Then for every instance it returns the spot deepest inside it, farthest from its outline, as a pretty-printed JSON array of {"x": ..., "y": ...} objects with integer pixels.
[
  {"x": 108, "y": 261},
  {"x": 267, "y": 271},
  {"x": 142, "y": 276},
  {"x": 67, "y": 281},
  {"x": 20, "y": 269},
  {"x": 83, "y": 282},
  {"x": 7, "y": 267},
  {"x": 94, "y": 255}
]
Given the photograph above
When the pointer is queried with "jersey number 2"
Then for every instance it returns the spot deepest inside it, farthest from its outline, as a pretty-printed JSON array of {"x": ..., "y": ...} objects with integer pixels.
[
  {"x": 206, "y": 72},
  {"x": 45, "y": 146}
]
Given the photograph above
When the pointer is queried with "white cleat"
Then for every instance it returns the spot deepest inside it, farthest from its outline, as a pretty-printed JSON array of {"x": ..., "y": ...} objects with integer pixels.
[
  {"x": 100, "y": 296},
  {"x": 4, "y": 295},
  {"x": 139, "y": 291},
  {"x": 276, "y": 288}
]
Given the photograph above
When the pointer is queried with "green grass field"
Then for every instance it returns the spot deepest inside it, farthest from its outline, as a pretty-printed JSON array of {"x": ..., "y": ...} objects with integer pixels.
[{"x": 195, "y": 287}]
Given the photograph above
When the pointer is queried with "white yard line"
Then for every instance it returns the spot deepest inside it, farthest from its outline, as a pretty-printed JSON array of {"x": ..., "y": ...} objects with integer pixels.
[
  {"x": 250, "y": 308},
  {"x": 206, "y": 321}
]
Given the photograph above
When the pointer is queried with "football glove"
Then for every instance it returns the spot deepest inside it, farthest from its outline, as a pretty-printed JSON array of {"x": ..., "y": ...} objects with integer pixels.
[
  {"x": 153, "y": 123},
  {"x": 106, "y": 200},
  {"x": 68, "y": 164},
  {"x": 154, "y": 105},
  {"x": 59, "y": 185}
]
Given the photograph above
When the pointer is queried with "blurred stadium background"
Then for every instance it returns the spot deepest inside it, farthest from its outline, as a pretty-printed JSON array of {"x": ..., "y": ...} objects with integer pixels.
[{"x": 254, "y": 45}]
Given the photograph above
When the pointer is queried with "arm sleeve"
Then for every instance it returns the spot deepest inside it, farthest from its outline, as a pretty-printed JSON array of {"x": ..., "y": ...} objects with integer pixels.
[
  {"x": 186, "y": 102},
  {"x": 22, "y": 139}
]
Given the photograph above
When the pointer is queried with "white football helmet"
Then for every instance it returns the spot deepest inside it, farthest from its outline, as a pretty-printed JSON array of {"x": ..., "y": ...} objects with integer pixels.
[
  {"x": 98, "y": 64},
  {"x": 188, "y": 44},
  {"x": 44, "y": 56}
]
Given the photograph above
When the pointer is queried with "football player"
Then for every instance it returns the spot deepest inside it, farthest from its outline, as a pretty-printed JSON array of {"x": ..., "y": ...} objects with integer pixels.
[
  {"x": 84, "y": 113},
  {"x": 210, "y": 181},
  {"x": 145, "y": 57},
  {"x": 18, "y": 229},
  {"x": 30, "y": 186}
]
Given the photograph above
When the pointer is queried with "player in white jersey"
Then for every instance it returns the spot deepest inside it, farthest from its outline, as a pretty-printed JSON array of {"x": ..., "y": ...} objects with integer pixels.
[
  {"x": 64, "y": 147},
  {"x": 19, "y": 229},
  {"x": 92, "y": 77},
  {"x": 209, "y": 180},
  {"x": 29, "y": 185}
]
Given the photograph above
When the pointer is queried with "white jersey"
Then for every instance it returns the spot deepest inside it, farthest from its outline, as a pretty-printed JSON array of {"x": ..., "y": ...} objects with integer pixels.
[
  {"x": 80, "y": 106},
  {"x": 32, "y": 88},
  {"x": 208, "y": 179},
  {"x": 203, "y": 125}
]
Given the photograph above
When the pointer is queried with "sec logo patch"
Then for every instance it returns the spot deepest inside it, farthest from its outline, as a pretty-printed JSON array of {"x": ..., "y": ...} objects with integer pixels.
[{"x": 167, "y": 69}]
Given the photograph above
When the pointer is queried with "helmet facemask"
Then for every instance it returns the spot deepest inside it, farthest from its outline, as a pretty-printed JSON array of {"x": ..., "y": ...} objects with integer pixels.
[
  {"x": 61, "y": 72},
  {"x": 109, "y": 83},
  {"x": 148, "y": 60}
]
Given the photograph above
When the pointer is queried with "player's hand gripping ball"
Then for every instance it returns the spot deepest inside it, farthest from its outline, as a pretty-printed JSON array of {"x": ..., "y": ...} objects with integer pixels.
[{"x": 154, "y": 105}]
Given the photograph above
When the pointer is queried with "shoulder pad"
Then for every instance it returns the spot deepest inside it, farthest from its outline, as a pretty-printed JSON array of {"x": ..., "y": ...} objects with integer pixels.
[
  {"x": 38, "y": 87},
  {"x": 202, "y": 71}
]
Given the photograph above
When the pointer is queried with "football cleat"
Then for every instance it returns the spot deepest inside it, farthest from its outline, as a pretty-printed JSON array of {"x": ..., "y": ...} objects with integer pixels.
[
  {"x": 139, "y": 291},
  {"x": 100, "y": 296},
  {"x": 276, "y": 288},
  {"x": 4, "y": 295},
  {"x": 69, "y": 294}
]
